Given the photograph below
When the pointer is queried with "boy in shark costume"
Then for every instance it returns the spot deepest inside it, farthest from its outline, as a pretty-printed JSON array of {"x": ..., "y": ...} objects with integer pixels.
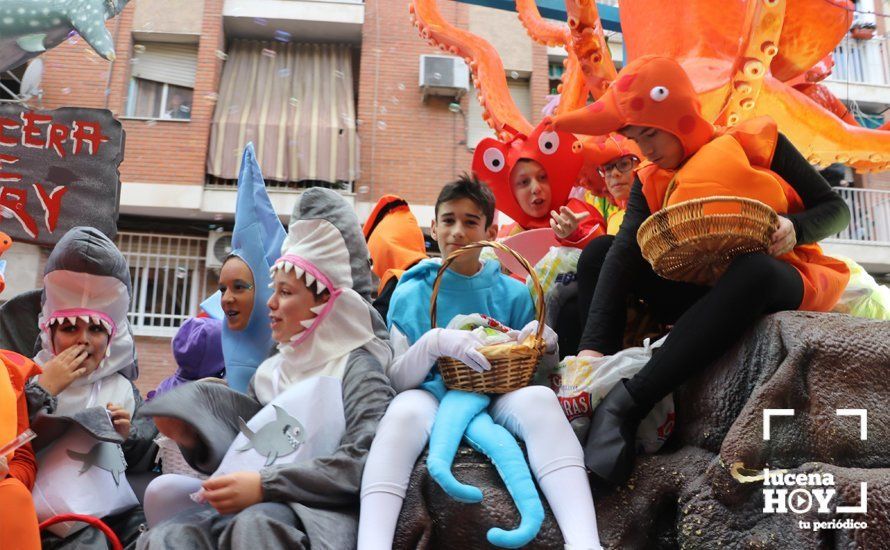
[
  {"x": 86, "y": 277},
  {"x": 303, "y": 503},
  {"x": 257, "y": 241}
]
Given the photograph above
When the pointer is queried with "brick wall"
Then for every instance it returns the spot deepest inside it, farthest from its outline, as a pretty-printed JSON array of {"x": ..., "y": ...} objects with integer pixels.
[
  {"x": 76, "y": 76},
  {"x": 155, "y": 362},
  {"x": 410, "y": 147}
]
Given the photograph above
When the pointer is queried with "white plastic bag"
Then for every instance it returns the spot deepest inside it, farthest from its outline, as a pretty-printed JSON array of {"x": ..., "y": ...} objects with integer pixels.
[
  {"x": 558, "y": 266},
  {"x": 586, "y": 380}
]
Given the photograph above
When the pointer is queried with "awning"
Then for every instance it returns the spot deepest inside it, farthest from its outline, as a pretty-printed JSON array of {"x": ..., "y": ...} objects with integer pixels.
[{"x": 296, "y": 103}]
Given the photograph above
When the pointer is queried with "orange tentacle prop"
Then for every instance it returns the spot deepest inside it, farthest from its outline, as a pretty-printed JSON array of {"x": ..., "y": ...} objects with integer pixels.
[
  {"x": 539, "y": 29},
  {"x": 589, "y": 45},
  {"x": 498, "y": 107},
  {"x": 573, "y": 89}
]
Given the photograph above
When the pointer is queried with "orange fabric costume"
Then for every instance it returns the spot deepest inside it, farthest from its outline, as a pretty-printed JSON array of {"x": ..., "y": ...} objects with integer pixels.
[
  {"x": 18, "y": 522},
  {"x": 656, "y": 92},
  {"x": 395, "y": 240},
  {"x": 493, "y": 161}
]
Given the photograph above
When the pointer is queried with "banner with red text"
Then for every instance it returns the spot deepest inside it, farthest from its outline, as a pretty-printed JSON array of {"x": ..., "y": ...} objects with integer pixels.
[{"x": 58, "y": 170}]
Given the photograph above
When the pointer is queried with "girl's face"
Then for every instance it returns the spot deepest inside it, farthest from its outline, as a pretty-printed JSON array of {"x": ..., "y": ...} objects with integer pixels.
[
  {"x": 289, "y": 306},
  {"x": 93, "y": 337},
  {"x": 660, "y": 147},
  {"x": 619, "y": 176},
  {"x": 237, "y": 288},
  {"x": 531, "y": 188}
]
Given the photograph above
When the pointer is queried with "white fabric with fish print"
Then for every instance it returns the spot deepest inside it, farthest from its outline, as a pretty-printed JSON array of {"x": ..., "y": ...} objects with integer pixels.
[
  {"x": 79, "y": 474},
  {"x": 304, "y": 422}
]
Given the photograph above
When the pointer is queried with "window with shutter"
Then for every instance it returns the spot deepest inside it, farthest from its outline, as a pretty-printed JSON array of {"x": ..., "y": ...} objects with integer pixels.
[{"x": 162, "y": 81}]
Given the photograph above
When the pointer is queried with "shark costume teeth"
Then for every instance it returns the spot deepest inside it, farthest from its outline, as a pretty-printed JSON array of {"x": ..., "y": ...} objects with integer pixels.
[
  {"x": 87, "y": 278},
  {"x": 318, "y": 309},
  {"x": 300, "y": 273}
]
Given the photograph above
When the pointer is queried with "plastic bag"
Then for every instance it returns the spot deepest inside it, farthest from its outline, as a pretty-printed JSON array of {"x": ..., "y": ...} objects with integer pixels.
[
  {"x": 586, "y": 380},
  {"x": 488, "y": 330},
  {"x": 863, "y": 297},
  {"x": 559, "y": 265}
]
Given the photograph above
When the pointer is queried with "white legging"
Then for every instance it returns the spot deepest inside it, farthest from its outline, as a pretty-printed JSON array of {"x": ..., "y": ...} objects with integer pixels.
[
  {"x": 168, "y": 495},
  {"x": 532, "y": 414}
]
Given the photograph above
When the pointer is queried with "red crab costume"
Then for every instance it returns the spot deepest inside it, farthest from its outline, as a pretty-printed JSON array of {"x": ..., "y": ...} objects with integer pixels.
[{"x": 493, "y": 162}]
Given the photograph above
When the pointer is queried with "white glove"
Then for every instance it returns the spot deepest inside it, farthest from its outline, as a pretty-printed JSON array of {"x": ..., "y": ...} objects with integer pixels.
[
  {"x": 459, "y": 344},
  {"x": 550, "y": 339},
  {"x": 412, "y": 367}
]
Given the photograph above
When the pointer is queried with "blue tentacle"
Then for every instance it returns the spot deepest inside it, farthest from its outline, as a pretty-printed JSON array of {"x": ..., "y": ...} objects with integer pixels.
[
  {"x": 504, "y": 452},
  {"x": 456, "y": 410}
]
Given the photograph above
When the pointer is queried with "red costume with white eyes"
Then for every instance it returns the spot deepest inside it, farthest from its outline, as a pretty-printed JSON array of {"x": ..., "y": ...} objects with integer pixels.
[{"x": 493, "y": 161}]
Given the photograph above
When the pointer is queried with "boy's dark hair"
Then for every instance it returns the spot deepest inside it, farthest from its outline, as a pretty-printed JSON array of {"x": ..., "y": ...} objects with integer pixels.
[{"x": 468, "y": 187}]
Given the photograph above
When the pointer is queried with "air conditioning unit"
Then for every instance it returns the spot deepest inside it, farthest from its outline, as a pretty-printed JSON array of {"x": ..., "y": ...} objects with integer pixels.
[
  {"x": 444, "y": 75},
  {"x": 219, "y": 246}
]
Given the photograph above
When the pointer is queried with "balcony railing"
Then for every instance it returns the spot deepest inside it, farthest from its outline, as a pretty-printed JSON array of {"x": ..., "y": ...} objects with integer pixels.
[
  {"x": 870, "y": 217},
  {"x": 862, "y": 62}
]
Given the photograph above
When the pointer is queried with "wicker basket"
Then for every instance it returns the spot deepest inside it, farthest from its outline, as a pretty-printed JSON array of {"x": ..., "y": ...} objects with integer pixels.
[
  {"x": 695, "y": 241},
  {"x": 512, "y": 364}
]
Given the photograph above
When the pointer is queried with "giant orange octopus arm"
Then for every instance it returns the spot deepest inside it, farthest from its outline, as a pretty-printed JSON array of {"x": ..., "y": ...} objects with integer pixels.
[
  {"x": 539, "y": 29},
  {"x": 821, "y": 136},
  {"x": 573, "y": 89},
  {"x": 499, "y": 110},
  {"x": 589, "y": 45}
]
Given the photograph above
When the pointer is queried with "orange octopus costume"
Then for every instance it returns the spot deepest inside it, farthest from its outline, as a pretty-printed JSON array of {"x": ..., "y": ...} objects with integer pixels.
[
  {"x": 656, "y": 92},
  {"x": 493, "y": 161},
  {"x": 18, "y": 522},
  {"x": 395, "y": 240}
]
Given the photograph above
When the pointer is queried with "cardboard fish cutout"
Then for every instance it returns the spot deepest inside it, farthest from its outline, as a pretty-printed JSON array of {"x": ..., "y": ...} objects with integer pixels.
[
  {"x": 280, "y": 437},
  {"x": 105, "y": 456}
]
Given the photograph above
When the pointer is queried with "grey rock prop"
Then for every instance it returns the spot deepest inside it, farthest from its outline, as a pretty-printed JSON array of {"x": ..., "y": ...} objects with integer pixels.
[{"x": 703, "y": 489}]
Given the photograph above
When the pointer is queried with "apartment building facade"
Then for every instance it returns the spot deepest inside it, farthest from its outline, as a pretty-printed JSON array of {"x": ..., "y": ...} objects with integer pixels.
[{"x": 330, "y": 93}]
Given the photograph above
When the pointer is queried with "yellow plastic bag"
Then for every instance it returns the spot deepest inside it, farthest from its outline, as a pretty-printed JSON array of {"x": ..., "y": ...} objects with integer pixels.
[{"x": 863, "y": 297}]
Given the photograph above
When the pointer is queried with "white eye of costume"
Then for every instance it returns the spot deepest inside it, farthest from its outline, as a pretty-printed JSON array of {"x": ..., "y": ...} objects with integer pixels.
[
  {"x": 659, "y": 93},
  {"x": 548, "y": 142},
  {"x": 493, "y": 159}
]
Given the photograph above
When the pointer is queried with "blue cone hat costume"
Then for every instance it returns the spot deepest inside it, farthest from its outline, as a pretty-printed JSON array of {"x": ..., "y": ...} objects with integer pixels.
[{"x": 256, "y": 240}]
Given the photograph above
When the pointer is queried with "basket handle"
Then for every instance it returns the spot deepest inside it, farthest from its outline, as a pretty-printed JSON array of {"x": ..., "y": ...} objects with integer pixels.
[
  {"x": 90, "y": 520},
  {"x": 540, "y": 308}
]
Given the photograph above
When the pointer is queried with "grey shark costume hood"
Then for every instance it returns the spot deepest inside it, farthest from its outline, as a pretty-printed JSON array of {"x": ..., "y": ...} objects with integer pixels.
[
  {"x": 87, "y": 277},
  {"x": 326, "y": 248}
]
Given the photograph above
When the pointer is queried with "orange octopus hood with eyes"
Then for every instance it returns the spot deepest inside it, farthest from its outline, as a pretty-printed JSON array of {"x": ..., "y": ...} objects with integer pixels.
[
  {"x": 493, "y": 161},
  {"x": 650, "y": 91}
]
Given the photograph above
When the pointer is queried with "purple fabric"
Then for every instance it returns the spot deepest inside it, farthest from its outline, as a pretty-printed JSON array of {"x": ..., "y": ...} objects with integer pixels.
[{"x": 197, "y": 349}]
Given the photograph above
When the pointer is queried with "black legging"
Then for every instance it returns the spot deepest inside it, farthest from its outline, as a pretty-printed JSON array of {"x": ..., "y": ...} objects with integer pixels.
[{"x": 707, "y": 320}]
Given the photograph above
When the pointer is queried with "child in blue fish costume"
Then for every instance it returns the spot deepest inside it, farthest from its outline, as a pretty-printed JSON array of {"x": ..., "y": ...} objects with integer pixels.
[
  {"x": 244, "y": 277},
  {"x": 464, "y": 214}
]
